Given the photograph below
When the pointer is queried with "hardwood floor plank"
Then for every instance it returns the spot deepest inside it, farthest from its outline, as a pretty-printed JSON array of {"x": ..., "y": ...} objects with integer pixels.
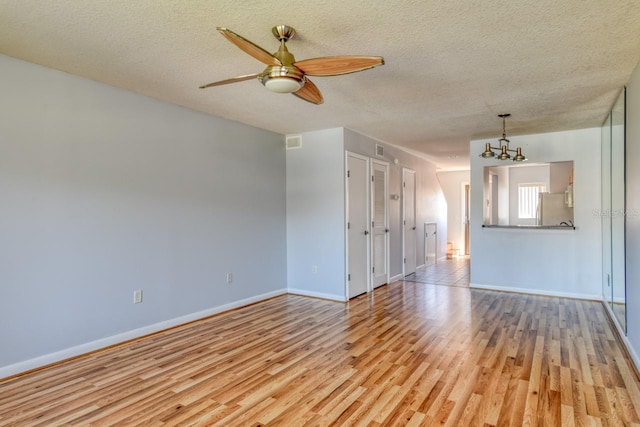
[
  {"x": 410, "y": 353},
  {"x": 612, "y": 398},
  {"x": 631, "y": 387},
  {"x": 567, "y": 416},
  {"x": 469, "y": 417},
  {"x": 497, "y": 397},
  {"x": 462, "y": 396},
  {"x": 533, "y": 390}
]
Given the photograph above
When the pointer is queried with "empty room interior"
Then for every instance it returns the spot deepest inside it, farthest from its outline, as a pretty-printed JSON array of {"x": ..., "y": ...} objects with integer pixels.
[{"x": 338, "y": 213}]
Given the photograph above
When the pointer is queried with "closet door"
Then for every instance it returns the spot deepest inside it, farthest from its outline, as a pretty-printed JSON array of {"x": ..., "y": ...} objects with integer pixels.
[
  {"x": 379, "y": 223},
  {"x": 357, "y": 224},
  {"x": 409, "y": 220}
]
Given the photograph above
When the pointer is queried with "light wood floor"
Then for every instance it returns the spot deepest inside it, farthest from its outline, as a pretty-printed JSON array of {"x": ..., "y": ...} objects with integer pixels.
[{"x": 407, "y": 354}]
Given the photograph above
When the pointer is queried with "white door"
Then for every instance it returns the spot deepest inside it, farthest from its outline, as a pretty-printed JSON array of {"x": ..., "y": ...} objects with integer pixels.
[
  {"x": 379, "y": 223},
  {"x": 357, "y": 224},
  {"x": 430, "y": 243},
  {"x": 409, "y": 220}
]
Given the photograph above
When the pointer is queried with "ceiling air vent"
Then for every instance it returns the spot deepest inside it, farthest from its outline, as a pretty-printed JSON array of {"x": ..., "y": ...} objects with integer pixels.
[
  {"x": 379, "y": 150},
  {"x": 294, "y": 141}
]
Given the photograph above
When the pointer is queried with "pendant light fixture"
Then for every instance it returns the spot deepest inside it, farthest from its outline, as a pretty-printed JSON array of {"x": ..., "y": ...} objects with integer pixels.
[{"x": 503, "y": 146}]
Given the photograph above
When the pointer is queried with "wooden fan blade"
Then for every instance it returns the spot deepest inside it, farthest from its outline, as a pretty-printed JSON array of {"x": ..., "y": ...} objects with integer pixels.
[
  {"x": 251, "y": 48},
  {"x": 336, "y": 65},
  {"x": 309, "y": 92},
  {"x": 232, "y": 80}
]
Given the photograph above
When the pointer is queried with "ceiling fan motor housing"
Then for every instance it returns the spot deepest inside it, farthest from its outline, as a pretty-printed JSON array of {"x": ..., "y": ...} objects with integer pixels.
[{"x": 282, "y": 79}]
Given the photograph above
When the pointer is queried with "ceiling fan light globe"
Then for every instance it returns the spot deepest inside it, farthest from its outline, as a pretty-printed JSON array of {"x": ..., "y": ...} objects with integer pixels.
[{"x": 283, "y": 84}]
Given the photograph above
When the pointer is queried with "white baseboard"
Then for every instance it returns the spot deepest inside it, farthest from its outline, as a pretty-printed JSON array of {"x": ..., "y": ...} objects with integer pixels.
[
  {"x": 305, "y": 293},
  {"x": 625, "y": 341},
  {"x": 396, "y": 278},
  {"x": 48, "y": 359},
  {"x": 419, "y": 266},
  {"x": 536, "y": 292}
]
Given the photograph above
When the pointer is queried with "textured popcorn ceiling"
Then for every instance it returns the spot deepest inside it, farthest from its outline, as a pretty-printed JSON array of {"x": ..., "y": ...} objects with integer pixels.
[{"x": 451, "y": 66}]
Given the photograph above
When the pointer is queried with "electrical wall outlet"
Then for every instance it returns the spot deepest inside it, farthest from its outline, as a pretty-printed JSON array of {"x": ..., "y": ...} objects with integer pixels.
[
  {"x": 229, "y": 277},
  {"x": 137, "y": 296},
  {"x": 314, "y": 269}
]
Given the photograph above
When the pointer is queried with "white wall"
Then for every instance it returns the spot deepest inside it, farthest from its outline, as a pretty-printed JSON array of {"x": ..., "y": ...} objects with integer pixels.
[
  {"x": 452, "y": 188},
  {"x": 104, "y": 192},
  {"x": 633, "y": 215},
  {"x": 562, "y": 262},
  {"x": 315, "y": 215}
]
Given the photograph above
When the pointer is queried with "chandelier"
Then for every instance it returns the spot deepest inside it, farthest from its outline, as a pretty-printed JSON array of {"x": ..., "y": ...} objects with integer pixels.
[{"x": 503, "y": 146}]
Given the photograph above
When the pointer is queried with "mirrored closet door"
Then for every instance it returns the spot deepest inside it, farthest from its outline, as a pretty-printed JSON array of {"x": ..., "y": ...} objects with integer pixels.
[{"x": 613, "y": 212}]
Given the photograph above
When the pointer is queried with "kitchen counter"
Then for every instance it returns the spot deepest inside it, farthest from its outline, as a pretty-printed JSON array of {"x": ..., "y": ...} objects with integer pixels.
[{"x": 532, "y": 227}]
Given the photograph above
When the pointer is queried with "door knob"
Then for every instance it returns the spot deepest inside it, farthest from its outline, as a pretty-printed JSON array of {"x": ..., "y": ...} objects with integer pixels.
[
  {"x": 386, "y": 230},
  {"x": 366, "y": 232},
  {"x": 413, "y": 228}
]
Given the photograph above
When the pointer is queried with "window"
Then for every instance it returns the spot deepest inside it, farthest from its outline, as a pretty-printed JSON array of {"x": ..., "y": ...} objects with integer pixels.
[{"x": 528, "y": 199}]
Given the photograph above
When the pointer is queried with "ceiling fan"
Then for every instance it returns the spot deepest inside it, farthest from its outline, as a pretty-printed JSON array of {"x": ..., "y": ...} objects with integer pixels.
[{"x": 286, "y": 75}]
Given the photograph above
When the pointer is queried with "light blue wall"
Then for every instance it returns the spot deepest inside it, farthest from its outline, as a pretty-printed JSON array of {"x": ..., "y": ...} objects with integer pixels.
[
  {"x": 315, "y": 215},
  {"x": 104, "y": 191}
]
